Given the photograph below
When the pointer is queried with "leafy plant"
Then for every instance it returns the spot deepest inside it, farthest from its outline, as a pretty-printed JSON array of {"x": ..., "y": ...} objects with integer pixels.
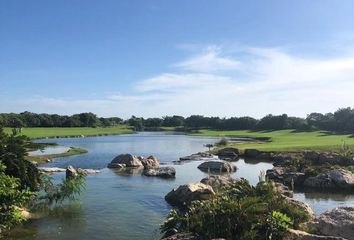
[{"x": 239, "y": 211}]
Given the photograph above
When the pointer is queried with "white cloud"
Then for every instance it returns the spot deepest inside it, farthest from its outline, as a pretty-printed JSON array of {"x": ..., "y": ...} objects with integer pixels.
[
  {"x": 209, "y": 61},
  {"x": 265, "y": 81}
]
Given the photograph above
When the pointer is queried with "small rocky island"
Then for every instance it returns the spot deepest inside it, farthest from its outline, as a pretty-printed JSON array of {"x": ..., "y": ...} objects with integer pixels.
[{"x": 150, "y": 165}]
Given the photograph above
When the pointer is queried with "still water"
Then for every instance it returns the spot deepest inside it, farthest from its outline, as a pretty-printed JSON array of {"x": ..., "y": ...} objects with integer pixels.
[{"x": 118, "y": 205}]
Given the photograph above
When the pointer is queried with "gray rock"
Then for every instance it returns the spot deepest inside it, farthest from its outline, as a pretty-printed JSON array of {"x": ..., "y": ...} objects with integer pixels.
[
  {"x": 127, "y": 159},
  {"x": 51, "y": 169},
  {"x": 338, "y": 178},
  {"x": 163, "y": 172},
  {"x": 300, "y": 235},
  {"x": 88, "y": 171},
  {"x": 228, "y": 153},
  {"x": 251, "y": 153},
  {"x": 276, "y": 173},
  {"x": 216, "y": 181},
  {"x": 185, "y": 194},
  {"x": 199, "y": 156},
  {"x": 182, "y": 236},
  {"x": 337, "y": 222},
  {"x": 300, "y": 205},
  {"x": 295, "y": 178},
  {"x": 217, "y": 166},
  {"x": 71, "y": 172},
  {"x": 150, "y": 162}
]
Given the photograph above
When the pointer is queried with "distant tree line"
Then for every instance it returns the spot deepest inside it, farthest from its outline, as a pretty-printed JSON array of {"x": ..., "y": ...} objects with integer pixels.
[
  {"x": 342, "y": 121},
  {"x": 28, "y": 119}
]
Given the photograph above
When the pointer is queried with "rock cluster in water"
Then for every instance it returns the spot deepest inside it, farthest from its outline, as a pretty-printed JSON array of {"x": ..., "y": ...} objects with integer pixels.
[
  {"x": 151, "y": 165},
  {"x": 217, "y": 166}
]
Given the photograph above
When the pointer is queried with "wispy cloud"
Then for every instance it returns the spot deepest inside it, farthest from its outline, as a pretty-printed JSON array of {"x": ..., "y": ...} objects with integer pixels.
[
  {"x": 211, "y": 60},
  {"x": 266, "y": 80}
]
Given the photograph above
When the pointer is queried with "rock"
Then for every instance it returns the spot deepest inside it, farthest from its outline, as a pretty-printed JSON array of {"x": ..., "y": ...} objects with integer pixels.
[
  {"x": 163, "y": 172},
  {"x": 127, "y": 159},
  {"x": 51, "y": 169},
  {"x": 220, "y": 166},
  {"x": 276, "y": 173},
  {"x": 319, "y": 158},
  {"x": 300, "y": 235},
  {"x": 228, "y": 153},
  {"x": 216, "y": 181},
  {"x": 337, "y": 222},
  {"x": 116, "y": 165},
  {"x": 88, "y": 171},
  {"x": 295, "y": 178},
  {"x": 301, "y": 205},
  {"x": 150, "y": 162},
  {"x": 71, "y": 172},
  {"x": 185, "y": 194},
  {"x": 182, "y": 236},
  {"x": 251, "y": 153},
  {"x": 334, "y": 179},
  {"x": 199, "y": 156},
  {"x": 284, "y": 190}
]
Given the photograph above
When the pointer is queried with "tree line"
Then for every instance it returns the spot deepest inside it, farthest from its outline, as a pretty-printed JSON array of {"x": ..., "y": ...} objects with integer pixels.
[
  {"x": 28, "y": 119},
  {"x": 341, "y": 120}
]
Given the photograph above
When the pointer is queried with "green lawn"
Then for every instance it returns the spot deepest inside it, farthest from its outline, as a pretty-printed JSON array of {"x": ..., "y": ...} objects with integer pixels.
[
  {"x": 67, "y": 132},
  {"x": 286, "y": 140}
]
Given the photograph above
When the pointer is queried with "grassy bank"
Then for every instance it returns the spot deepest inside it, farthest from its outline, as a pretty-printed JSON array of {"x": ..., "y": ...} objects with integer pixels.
[
  {"x": 44, "y": 158},
  {"x": 35, "y": 133},
  {"x": 286, "y": 140}
]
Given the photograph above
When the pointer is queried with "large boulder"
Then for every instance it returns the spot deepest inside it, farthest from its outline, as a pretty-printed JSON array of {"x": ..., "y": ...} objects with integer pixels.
[
  {"x": 276, "y": 173},
  {"x": 216, "y": 181},
  {"x": 337, "y": 222},
  {"x": 71, "y": 172},
  {"x": 150, "y": 162},
  {"x": 185, "y": 194},
  {"x": 296, "y": 178},
  {"x": 163, "y": 172},
  {"x": 300, "y": 205},
  {"x": 251, "y": 153},
  {"x": 127, "y": 159},
  {"x": 231, "y": 153},
  {"x": 217, "y": 166},
  {"x": 334, "y": 179}
]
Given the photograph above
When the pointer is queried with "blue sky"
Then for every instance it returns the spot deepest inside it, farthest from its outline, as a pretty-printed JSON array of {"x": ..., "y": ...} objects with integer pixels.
[{"x": 156, "y": 58}]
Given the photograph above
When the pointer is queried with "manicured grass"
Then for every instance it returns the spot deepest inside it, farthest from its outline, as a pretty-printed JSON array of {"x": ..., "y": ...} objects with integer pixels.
[
  {"x": 43, "y": 158},
  {"x": 73, "y": 132},
  {"x": 286, "y": 140}
]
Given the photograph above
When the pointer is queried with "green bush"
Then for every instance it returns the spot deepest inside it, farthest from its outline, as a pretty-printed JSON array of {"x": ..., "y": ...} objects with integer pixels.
[
  {"x": 12, "y": 197},
  {"x": 239, "y": 211}
]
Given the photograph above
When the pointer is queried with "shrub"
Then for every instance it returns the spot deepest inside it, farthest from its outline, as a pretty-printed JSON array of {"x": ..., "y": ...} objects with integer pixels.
[{"x": 239, "y": 211}]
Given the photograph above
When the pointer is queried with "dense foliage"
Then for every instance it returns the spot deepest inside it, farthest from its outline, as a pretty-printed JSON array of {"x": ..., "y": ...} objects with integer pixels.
[
  {"x": 12, "y": 198},
  {"x": 239, "y": 211},
  {"x": 21, "y": 184}
]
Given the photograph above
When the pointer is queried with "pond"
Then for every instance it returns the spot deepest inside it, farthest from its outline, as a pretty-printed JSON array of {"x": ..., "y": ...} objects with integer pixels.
[{"x": 118, "y": 205}]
